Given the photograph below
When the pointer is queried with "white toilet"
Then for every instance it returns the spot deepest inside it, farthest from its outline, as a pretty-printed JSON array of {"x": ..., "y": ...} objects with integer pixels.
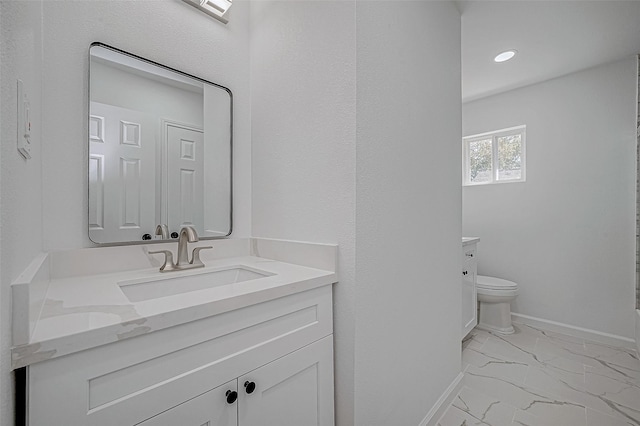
[{"x": 495, "y": 296}]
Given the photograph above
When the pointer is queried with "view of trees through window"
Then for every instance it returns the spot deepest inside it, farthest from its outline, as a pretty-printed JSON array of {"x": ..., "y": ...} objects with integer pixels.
[
  {"x": 480, "y": 161},
  {"x": 509, "y": 157},
  {"x": 498, "y": 152}
]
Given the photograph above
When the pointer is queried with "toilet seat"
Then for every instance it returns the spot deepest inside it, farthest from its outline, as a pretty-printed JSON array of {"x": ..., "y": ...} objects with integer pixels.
[{"x": 493, "y": 283}]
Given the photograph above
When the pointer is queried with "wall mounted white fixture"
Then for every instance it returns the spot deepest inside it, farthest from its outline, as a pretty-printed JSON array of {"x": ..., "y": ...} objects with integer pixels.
[{"x": 215, "y": 8}]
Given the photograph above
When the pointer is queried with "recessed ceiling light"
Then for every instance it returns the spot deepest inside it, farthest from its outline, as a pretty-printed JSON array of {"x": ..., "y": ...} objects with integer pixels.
[{"x": 505, "y": 56}]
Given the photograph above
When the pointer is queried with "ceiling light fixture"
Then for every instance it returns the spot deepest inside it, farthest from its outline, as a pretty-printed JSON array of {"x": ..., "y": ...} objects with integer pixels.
[
  {"x": 505, "y": 56},
  {"x": 216, "y": 8}
]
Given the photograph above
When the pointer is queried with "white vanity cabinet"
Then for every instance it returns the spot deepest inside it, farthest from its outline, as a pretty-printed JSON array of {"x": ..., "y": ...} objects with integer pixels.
[
  {"x": 276, "y": 356},
  {"x": 293, "y": 390},
  {"x": 469, "y": 296}
]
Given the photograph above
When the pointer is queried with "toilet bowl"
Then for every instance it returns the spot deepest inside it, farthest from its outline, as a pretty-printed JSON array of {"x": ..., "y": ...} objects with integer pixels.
[{"x": 495, "y": 296}]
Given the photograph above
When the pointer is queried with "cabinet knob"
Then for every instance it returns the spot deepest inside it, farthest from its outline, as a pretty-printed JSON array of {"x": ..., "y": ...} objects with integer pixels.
[
  {"x": 249, "y": 387},
  {"x": 465, "y": 272},
  {"x": 146, "y": 237},
  {"x": 469, "y": 254},
  {"x": 231, "y": 396},
  {"x": 174, "y": 235}
]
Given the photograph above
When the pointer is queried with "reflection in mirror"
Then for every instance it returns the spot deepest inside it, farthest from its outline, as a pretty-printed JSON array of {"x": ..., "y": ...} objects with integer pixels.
[{"x": 159, "y": 151}]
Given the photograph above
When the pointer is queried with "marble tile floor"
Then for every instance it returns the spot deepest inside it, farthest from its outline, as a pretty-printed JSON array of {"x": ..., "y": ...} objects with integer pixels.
[{"x": 540, "y": 378}]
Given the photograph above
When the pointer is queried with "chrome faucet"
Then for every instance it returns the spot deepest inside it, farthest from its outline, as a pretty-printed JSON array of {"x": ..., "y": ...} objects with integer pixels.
[{"x": 188, "y": 234}]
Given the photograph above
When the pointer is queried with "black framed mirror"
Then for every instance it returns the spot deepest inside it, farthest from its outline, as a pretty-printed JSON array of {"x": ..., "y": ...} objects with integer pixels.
[{"x": 160, "y": 147}]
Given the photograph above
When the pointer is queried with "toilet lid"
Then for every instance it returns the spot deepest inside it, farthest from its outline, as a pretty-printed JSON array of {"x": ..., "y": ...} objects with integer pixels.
[{"x": 495, "y": 283}]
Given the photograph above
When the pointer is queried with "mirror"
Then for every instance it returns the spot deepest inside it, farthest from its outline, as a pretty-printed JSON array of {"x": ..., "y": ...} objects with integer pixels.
[{"x": 159, "y": 150}]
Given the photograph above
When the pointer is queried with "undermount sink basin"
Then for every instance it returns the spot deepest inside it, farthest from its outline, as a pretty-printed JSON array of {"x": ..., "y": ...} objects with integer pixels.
[{"x": 155, "y": 287}]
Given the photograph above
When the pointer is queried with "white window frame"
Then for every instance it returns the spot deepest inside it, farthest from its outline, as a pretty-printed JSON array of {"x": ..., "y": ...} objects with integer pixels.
[{"x": 466, "y": 162}]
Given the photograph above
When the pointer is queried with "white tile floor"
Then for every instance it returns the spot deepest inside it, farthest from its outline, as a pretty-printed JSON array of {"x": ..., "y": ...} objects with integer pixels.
[{"x": 541, "y": 378}]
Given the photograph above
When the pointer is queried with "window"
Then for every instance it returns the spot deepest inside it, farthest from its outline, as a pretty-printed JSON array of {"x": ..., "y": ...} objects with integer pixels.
[{"x": 494, "y": 157}]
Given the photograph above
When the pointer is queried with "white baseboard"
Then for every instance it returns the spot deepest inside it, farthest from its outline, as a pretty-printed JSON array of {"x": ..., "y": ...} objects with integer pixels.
[
  {"x": 572, "y": 330},
  {"x": 432, "y": 417}
]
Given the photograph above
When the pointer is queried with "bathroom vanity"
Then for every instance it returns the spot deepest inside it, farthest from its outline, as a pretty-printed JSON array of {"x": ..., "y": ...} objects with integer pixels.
[
  {"x": 469, "y": 295},
  {"x": 257, "y": 350}
]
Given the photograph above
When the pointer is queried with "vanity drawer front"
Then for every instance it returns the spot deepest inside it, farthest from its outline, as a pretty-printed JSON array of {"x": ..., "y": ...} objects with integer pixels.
[{"x": 126, "y": 382}]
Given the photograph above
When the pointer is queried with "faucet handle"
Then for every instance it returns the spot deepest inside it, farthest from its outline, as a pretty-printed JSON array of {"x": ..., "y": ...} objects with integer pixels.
[
  {"x": 168, "y": 264},
  {"x": 195, "y": 259}
]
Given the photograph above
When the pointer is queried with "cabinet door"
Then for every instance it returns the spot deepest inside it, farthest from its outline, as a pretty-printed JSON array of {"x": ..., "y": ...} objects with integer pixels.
[
  {"x": 218, "y": 407},
  {"x": 295, "y": 390},
  {"x": 469, "y": 296}
]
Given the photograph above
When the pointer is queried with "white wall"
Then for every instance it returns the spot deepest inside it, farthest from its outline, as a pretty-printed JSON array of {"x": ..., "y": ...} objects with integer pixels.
[
  {"x": 408, "y": 210},
  {"x": 396, "y": 307},
  {"x": 566, "y": 235},
  {"x": 20, "y": 180},
  {"x": 303, "y": 145},
  {"x": 169, "y": 32}
]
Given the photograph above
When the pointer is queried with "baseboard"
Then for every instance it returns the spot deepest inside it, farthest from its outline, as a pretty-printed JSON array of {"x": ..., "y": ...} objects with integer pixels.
[
  {"x": 572, "y": 330},
  {"x": 432, "y": 417}
]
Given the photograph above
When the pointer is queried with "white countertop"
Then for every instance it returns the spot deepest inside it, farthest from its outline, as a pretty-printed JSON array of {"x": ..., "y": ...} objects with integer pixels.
[{"x": 87, "y": 311}]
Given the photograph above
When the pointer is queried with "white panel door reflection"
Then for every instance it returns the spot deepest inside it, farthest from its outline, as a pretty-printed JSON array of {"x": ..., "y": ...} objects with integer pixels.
[
  {"x": 185, "y": 177},
  {"x": 122, "y": 173}
]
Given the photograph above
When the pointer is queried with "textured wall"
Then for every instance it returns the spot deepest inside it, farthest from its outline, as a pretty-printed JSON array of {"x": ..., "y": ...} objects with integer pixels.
[
  {"x": 303, "y": 146},
  {"x": 397, "y": 303},
  {"x": 408, "y": 209},
  {"x": 566, "y": 235}
]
